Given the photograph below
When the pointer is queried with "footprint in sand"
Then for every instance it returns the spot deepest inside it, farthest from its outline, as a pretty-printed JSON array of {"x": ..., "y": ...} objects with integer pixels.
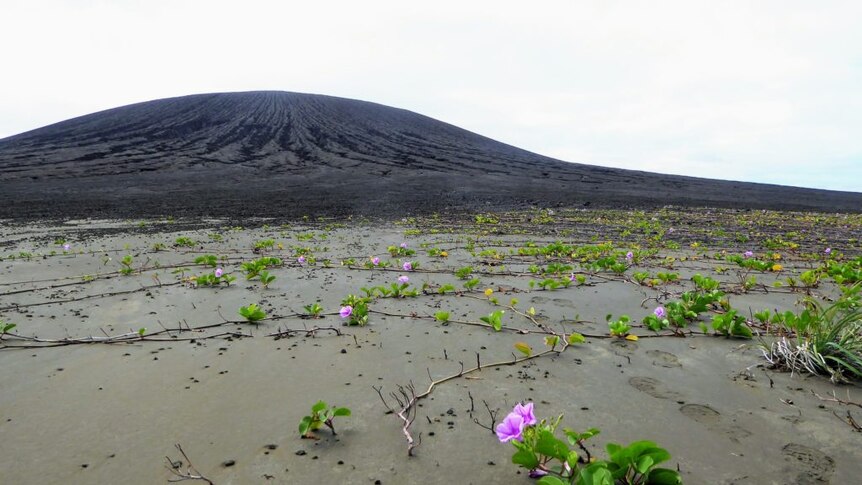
[
  {"x": 663, "y": 359},
  {"x": 811, "y": 465},
  {"x": 538, "y": 299},
  {"x": 622, "y": 347},
  {"x": 713, "y": 421},
  {"x": 654, "y": 388},
  {"x": 701, "y": 413},
  {"x": 563, "y": 302}
]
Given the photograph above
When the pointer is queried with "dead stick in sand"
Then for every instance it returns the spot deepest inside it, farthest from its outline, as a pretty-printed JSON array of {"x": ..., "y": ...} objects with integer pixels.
[
  {"x": 191, "y": 472},
  {"x": 407, "y": 398},
  {"x": 852, "y": 422},
  {"x": 309, "y": 332},
  {"x": 846, "y": 402}
]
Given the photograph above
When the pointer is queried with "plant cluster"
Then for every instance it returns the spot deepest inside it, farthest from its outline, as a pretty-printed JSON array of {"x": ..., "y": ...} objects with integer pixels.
[
  {"x": 394, "y": 290},
  {"x": 354, "y": 310},
  {"x": 819, "y": 340},
  {"x": 400, "y": 250},
  {"x": 257, "y": 268},
  {"x": 252, "y": 313},
  {"x": 216, "y": 278},
  {"x": 184, "y": 241},
  {"x": 560, "y": 462},
  {"x": 320, "y": 415}
]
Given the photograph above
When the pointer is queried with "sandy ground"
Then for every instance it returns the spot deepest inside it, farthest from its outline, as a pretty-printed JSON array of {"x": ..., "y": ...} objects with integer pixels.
[{"x": 111, "y": 413}]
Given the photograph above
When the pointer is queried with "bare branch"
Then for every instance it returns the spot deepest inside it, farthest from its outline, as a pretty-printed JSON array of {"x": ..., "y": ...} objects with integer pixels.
[{"x": 191, "y": 473}]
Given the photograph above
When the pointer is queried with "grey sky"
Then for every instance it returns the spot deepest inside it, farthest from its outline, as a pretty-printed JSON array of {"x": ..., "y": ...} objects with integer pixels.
[{"x": 765, "y": 91}]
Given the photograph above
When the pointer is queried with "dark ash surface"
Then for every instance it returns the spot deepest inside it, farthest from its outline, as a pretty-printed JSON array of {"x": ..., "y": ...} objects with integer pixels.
[{"x": 280, "y": 154}]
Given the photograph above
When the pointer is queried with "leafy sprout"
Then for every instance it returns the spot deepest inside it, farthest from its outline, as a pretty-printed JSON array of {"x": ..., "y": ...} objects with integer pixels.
[
  {"x": 252, "y": 313},
  {"x": 319, "y": 417}
]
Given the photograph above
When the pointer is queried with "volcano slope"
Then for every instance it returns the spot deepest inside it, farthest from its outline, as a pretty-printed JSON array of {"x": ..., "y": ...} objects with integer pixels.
[{"x": 290, "y": 154}]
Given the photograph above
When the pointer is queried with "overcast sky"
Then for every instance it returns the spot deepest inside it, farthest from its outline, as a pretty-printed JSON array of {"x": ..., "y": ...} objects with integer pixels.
[{"x": 764, "y": 91}]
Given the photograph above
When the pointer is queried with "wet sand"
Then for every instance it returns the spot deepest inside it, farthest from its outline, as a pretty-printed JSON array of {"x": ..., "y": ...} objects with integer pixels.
[{"x": 110, "y": 413}]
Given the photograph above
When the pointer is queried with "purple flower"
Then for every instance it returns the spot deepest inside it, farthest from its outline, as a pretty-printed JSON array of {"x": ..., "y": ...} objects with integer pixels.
[
  {"x": 346, "y": 311},
  {"x": 660, "y": 312},
  {"x": 537, "y": 473},
  {"x": 300, "y": 260},
  {"x": 375, "y": 261},
  {"x": 748, "y": 254},
  {"x": 827, "y": 251},
  {"x": 403, "y": 279},
  {"x": 670, "y": 231},
  {"x": 629, "y": 256},
  {"x": 572, "y": 277},
  {"x": 525, "y": 411},
  {"x": 404, "y": 245},
  {"x": 219, "y": 272},
  {"x": 512, "y": 428},
  {"x": 408, "y": 266},
  {"x": 67, "y": 246}
]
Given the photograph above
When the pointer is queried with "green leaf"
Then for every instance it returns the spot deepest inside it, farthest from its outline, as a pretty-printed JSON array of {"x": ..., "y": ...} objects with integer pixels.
[
  {"x": 549, "y": 445},
  {"x": 304, "y": 425},
  {"x": 550, "y": 480},
  {"x": 572, "y": 459},
  {"x": 595, "y": 474},
  {"x": 575, "y": 338},
  {"x": 524, "y": 348},
  {"x": 342, "y": 412},
  {"x": 318, "y": 406},
  {"x": 525, "y": 458},
  {"x": 663, "y": 476},
  {"x": 644, "y": 464}
]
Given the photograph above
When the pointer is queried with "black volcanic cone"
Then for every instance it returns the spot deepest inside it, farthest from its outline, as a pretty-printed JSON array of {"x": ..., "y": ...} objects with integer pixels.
[{"x": 279, "y": 153}]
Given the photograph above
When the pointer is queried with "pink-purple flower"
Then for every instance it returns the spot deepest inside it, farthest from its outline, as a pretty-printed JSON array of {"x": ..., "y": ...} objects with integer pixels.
[
  {"x": 67, "y": 246},
  {"x": 404, "y": 245},
  {"x": 572, "y": 277},
  {"x": 407, "y": 266},
  {"x": 629, "y": 256},
  {"x": 300, "y": 260},
  {"x": 375, "y": 261},
  {"x": 826, "y": 251},
  {"x": 748, "y": 254},
  {"x": 219, "y": 272},
  {"x": 403, "y": 279},
  {"x": 512, "y": 428},
  {"x": 526, "y": 412},
  {"x": 660, "y": 312},
  {"x": 346, "y": 311}
]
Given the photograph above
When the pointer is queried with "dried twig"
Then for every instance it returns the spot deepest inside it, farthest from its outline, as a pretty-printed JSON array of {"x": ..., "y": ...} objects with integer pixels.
[
  {"x": 846, "y": 402},
  {"x": 492, "y": 414},
  {"x": 191, "y": 472},
  {"x": 309, "y": 332},
  {"x": 406, "y": 399}
]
